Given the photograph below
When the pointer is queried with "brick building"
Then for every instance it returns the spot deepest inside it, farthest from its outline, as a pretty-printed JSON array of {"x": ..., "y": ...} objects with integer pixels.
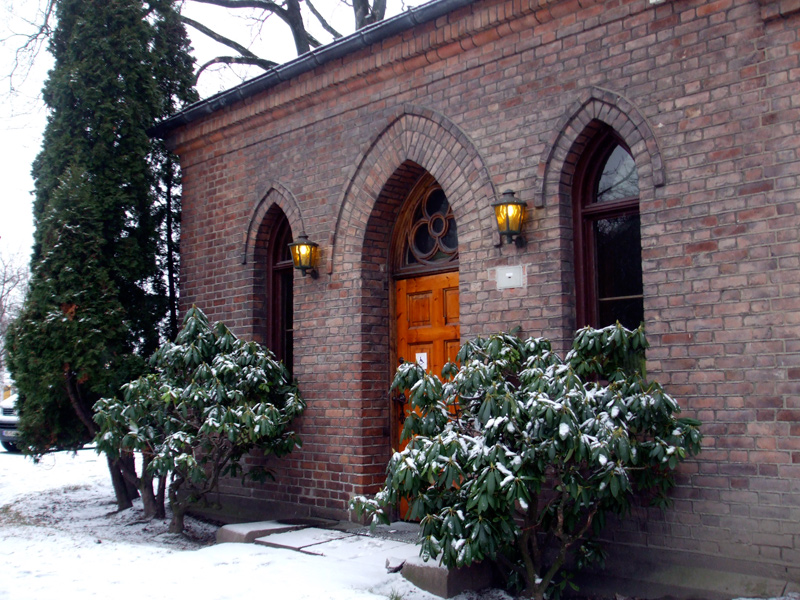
[{"x": 660, "y": 140}]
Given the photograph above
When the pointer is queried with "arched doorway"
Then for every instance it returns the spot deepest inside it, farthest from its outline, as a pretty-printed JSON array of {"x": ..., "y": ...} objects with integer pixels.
[{"x": 426, "y": 295}]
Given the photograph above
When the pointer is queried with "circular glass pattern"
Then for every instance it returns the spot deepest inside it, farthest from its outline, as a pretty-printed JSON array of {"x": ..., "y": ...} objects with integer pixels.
[
  {"x": 433, "y": 236},
  {"x": 437, "y": 225}
]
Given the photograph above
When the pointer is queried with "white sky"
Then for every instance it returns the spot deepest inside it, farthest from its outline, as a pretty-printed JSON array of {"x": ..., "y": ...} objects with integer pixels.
[{"x": 23, "y": 117}]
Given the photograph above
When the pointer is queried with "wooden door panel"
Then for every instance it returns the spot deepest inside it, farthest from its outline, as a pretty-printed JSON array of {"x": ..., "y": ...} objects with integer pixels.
[
  {"x": 427, "y": 319},
  {"x": 431, "y": 282},
  {"x": 451, "y": 348},
  {"x": 419, "y": 306},
  {"x": 419, "y": 335},
  {"x": 426, "y": 309},
  {"x": 427, "y": 313},
  {"x": 450, "y": 305}
]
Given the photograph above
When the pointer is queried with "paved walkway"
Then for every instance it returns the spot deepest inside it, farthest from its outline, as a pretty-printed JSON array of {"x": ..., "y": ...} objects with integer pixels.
[
  {"x": 389, "y": 546},
  {"x": 393, "y": 544}
]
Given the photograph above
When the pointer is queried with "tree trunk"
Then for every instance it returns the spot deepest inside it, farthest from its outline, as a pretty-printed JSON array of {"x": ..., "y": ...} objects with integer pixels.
[
  {"x": 171, "y": 252},
  {"x": 153, "y": 503},
  {"x": 76, "y": 400},
  {"x": 128, "y": 464},
  {"x": 161, "y": 512},
  {"x": 120, "y": 486},
  {"x": 362, "y": 13},
  {"x": 178, "y": 513},
  {"x": 178, "y": 507},
  {"x": 295, "y": 22},
  {"x": 149, "y": 500}
]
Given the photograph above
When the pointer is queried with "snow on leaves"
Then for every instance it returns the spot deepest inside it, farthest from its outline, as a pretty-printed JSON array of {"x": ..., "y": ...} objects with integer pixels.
[
  {"x": 212, "y": 399},
  {"x": 517, "y": 441}
]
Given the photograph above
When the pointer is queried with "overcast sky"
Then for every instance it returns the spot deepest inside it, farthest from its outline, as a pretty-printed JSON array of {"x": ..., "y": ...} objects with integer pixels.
[{"x": 23, "y": 117}]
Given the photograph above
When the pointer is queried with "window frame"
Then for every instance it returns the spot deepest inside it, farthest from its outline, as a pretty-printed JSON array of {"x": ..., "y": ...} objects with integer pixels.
[
  {"x": 586, "y": 211},
  {"x": 422, "y": 190},
  {"x": 280, "y": 294}
]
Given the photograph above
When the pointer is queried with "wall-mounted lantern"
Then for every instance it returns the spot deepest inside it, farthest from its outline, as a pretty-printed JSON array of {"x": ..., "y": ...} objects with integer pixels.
[
  {"x": 305, "y": 256},
  {"x": 510, "y": 214}
]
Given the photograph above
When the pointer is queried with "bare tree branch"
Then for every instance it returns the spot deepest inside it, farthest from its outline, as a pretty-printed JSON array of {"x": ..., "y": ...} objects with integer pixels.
[
  {"x": 218, "y": 37},
  {"x": 379, "y": 10},
  {"x": 261, "y": 4},
  {"x": 325, "y": 25},
  {"x": 367, "y": 14},
  {"x": 25, "y": 55},
  {"x": 235, "y": 60},
  {"x": 298, "y": 27},
  {"x": 289, "y": 13}
]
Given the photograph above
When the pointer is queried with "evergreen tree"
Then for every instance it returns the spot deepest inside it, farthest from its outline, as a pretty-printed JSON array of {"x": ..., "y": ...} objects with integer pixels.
[
  {"x": 97, "y": 296},
  {"x": 173, "y": 73}
]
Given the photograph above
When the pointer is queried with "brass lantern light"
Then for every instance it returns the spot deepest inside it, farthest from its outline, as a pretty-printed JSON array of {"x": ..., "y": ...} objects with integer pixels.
[
  {"x": 510, "y": 214},
  {"x": 305, "y": 256}
]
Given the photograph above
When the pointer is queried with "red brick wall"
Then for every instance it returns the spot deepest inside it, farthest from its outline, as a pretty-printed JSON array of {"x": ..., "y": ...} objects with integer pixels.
[{"x": 499, "y": 95}]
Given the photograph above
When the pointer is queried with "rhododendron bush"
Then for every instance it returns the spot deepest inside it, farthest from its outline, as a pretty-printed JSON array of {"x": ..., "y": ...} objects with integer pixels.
[{"x": 516, "y": 454}]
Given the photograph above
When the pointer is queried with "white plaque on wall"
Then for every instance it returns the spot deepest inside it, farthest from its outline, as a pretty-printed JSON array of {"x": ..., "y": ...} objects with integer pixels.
[{"x": 510, "y": 277}]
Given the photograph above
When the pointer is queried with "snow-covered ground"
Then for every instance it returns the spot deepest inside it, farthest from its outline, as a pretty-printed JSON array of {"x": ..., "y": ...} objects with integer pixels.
[{"x": 61, "y": 537}]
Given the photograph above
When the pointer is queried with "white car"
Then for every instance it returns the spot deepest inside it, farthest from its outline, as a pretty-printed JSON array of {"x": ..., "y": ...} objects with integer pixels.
[{"x": 8, "y": 423}]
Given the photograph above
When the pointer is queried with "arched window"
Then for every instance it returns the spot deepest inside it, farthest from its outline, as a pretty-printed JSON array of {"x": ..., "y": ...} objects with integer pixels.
[
  {"x": 608, "y": 248},
  {"x": 428, "y": 232},
  {"x": 279, "y": 302}
]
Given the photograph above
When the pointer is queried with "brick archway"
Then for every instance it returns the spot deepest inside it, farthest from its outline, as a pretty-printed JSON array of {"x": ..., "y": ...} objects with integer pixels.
[
  {"x": 593, "y": 109},
  {"x": 574, "y": 130},
  {"x": 415, "y": 142},
  {"x": 275, "y": 204},
  {"x": 276, "y": 194},
  {"x": 425, "y": 138}
]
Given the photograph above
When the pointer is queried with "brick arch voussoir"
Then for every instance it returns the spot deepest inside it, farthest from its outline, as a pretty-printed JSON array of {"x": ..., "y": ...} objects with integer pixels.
[
  {"x": 378, "y": 167},
  {"x": 570, "y": 135},
  {"x": 438, "y": 145},
  {"x": 276, "y": 194}
]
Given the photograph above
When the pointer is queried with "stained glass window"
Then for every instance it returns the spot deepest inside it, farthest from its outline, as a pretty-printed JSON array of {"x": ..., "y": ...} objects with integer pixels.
[{"x": 432, "y": 238}]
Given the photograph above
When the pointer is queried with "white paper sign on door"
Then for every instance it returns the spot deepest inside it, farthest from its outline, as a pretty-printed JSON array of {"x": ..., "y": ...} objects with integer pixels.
[{"x": 422, "y": 359}]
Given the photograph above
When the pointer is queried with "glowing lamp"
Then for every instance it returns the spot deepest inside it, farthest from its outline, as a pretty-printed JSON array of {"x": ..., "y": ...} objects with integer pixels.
[
  {"x": 305, "y": 256},
  {"x": 510, "y": 214}
]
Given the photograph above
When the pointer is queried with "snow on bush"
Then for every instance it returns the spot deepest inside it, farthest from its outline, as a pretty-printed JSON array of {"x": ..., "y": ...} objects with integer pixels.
[
  {"x": 212, "y": 400},
  {"x": 517, "y": 455}
]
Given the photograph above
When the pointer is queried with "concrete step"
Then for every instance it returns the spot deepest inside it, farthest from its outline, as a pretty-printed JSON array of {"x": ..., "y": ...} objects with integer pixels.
[
  {"x": 441, "y": 581},
  {"x": 247, "y": 533},
  {"x": 305, "y": 540}
]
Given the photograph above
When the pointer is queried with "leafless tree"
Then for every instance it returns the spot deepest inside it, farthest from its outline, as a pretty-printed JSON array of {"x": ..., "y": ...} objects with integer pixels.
[
  {"x": 13, "y": 280},
  {"x": 299, "y": 16}
]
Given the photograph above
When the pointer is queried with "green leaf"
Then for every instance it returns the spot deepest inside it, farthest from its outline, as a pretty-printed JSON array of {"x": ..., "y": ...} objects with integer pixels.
[
  {"x": 624, "y": 449},
  {"x": 614, "y": 486}
]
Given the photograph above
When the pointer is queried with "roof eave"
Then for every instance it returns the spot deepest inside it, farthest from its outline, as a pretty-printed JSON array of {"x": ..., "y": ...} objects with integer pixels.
[{"x": 337, "y": 49}]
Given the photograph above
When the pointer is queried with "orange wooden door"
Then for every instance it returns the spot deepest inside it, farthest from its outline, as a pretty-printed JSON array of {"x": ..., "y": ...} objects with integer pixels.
[{"x": 427, "y": 324}]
